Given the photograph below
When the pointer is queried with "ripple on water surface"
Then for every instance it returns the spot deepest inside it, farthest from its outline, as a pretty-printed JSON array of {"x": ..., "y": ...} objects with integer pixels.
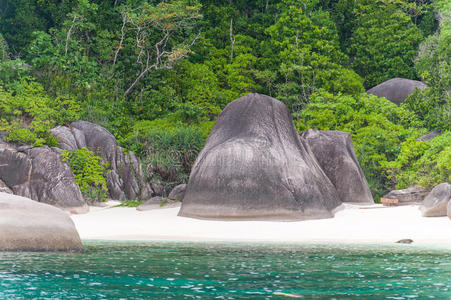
[{"x": 112, "y": 270}]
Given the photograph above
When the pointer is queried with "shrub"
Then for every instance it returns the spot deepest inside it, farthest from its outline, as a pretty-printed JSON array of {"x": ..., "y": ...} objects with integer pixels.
[
  {"x": 168, "y": 149},
  {"x": 89, "y": 172},
  {"x": 27, "y": 114},
  {"x": 425, "y": 163}
]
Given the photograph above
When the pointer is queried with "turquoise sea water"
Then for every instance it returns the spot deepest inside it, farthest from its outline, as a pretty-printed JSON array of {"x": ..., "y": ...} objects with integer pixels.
[{"x": 125, "y": 270}]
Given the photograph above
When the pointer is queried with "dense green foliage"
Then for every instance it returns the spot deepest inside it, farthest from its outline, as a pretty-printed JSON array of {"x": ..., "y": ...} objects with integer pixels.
[
  {"x": 27, "y": 114},
  {"x": 433, "y": 64},
  {"x": 427, "y": 164},
  {"x": 169, "y": 149},
  {"x": 157, "y": 74},
  {"x": 89, "y": 172}
]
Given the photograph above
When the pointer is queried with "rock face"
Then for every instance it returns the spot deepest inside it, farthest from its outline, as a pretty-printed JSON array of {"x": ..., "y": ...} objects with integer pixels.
[
  {"x": 254, "y": 166},
  {"x": 397, "y": 89},
  {"x": 26, "y": 225},
  {"x": 335, "y": 154},
  {"x": 449, "y": 209},
  {"x": 178, "y": 192},
  {"x": 436, "y": 202},
  {"x": 429, "y": 136},
  {"x": 413, "y": 194},
  {"x": 125, "y": 180},
  {"x": 39, "y": 174}
]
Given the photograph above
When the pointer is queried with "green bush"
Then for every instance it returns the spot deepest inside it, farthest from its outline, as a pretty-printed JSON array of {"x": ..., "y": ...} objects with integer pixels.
[
  {"x": 168, "y": 149},
  {"x": 27, "y": 114},
  {"x": 89, "y": 172},
  {"x": 423, "y": 163}
]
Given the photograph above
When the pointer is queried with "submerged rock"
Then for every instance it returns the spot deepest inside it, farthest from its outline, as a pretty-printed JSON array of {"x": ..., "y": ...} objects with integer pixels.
[
  {"x": 405, "y": 241},
  {"x": 178, "y": 192},
  {"x": 26, "y": 225},
  {"x": 335, "y": 154},
  {"x": 125, "y": 180},
  {"x": 396, "y": 89},
  {"x": 254, "y": 166},
  {"x": 413, "y": 194},
  {"x": 39, "y": 174},
  {"x": 436, "y": 202}
]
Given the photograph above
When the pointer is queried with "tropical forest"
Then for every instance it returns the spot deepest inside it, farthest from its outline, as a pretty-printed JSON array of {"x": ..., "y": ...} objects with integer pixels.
[{"x": 156, "y": 74}]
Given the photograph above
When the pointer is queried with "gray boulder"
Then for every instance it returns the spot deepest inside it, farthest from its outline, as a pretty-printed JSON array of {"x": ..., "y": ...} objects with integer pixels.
[
  {"x": 436, "y": 202},
  {"x": 39, "y": 174},
  {"x": 413, "y": 194},
  {"x": 178, "y": 192},
  {"x": 396, "y": 89},
  {"x": 449, "y": 209},
  {"x": 335, "y": 154},
  {"x": 125, "y": 180},
  {"x": 26, "y": 225},
  {"x": 254, "y": 166},
  {"x": 429, "y": 136}
]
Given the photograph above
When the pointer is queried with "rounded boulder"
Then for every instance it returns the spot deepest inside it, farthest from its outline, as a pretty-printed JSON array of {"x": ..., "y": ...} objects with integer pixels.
[
  {"x": 27, "y": 225},
  {"x": 397, "y": 89},
  {"x": 254, "y": 166},
  {"x": 335, "y": 154}
]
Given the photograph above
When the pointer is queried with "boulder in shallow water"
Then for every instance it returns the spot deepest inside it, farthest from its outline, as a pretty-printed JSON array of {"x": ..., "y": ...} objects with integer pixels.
[
  {"x": 335, "y": 154},
  {"x": 254, "y": 166},
  {"x": 27, "y": 225},
  {"x": 396, "y": 89},
  {"x": 436, "y": 202},
  {"x": 410, "y": 195}
]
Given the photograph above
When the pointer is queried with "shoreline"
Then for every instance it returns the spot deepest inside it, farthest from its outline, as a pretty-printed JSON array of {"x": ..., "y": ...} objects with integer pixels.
[{"x": 355, "y": 224}]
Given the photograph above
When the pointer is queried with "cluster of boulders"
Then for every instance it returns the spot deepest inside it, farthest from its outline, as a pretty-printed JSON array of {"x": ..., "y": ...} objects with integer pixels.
[
  {"x": 253, "y": 166},
  {"x": 125, "y": 178},
  {"x": 39, "y": 173},
  {"x": 256, "y": 166}
]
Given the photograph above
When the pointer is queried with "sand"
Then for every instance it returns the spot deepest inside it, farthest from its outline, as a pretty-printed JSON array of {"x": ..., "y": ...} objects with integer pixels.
[{"x": 352, "y": 224}]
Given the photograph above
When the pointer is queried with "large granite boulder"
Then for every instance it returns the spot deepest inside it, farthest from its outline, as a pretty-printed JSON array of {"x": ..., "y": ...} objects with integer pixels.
[
  {"x": 125, "y": 180},
  {"x": 396, "y": 89},
  {"x": 254, "y": 166},
  {"x": 436, "y": 202},
  {"x": 40, "y": 174},
  {"x": 26, "y": 225},
  {"x": 335, "y": 154},
  {"x": 410, "y": 195}
]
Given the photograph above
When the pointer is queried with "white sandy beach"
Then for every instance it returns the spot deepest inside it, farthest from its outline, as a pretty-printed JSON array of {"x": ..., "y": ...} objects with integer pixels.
[{"x": 354, "y": 224}]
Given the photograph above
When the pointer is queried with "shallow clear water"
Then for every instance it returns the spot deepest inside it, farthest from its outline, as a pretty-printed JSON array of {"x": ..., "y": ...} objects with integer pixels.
[{"x": 113, "y": 270}]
